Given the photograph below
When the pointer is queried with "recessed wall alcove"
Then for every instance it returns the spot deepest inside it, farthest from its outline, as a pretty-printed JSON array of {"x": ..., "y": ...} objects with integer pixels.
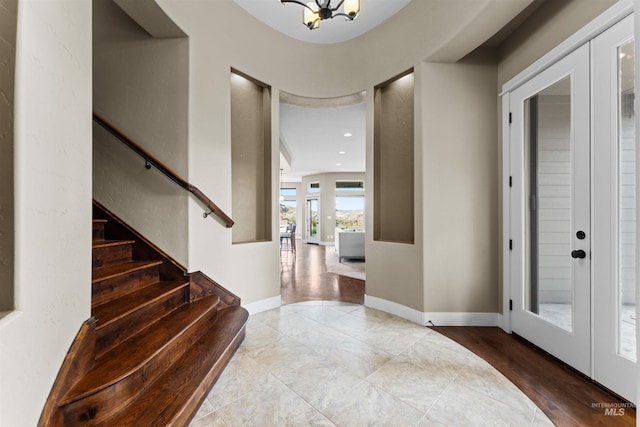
[
  {"x": 250, "y": 158},
  {"x": 393, "y": 213}
]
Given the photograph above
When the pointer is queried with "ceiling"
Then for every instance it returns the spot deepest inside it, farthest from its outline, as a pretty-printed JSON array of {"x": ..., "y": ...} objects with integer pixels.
[
  {"x": 312, "y": 133},
  {"x": 313, "y": 140},
  {"x": 287, "y": 18}
]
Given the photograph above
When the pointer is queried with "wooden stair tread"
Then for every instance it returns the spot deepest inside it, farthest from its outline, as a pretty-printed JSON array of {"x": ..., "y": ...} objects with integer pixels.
[
  {"x": 132, "y": 354},
  {"x": 111, "y": 243},
  {"x": 115, "y": 270},
  {"x": 100, "y": 220},
  {"x": 175, "y": 395},
  {"x": 116, "y": 309}
]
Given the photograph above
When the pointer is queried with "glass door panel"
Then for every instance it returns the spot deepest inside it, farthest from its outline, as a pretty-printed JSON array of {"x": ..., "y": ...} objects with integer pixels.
[
  {"x": 313, "y": 220},
  {"x": 626, "y": 313},
  {"x": 548, "y": 139}
]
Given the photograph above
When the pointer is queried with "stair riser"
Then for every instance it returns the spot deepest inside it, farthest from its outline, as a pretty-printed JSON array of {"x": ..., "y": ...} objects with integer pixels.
[
  {"x": 98, "y": 231},
  {"x": 113, "y": 334},
  {"x": 111, "y": 255},
  {"x": 101, "y": 405},
  {"x": 208, "y": 380},
  {"x": 117, "y": 287}
]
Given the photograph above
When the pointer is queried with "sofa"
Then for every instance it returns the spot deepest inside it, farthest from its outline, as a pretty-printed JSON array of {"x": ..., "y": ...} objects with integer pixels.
[{"x": 350, "y": 244}]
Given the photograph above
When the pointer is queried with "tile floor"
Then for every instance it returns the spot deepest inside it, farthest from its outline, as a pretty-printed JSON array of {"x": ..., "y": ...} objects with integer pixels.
[{"x": 328, "y": 363}]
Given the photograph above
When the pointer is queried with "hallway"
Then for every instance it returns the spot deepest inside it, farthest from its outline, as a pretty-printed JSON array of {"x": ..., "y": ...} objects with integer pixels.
[{"x": 304, "y": 277}]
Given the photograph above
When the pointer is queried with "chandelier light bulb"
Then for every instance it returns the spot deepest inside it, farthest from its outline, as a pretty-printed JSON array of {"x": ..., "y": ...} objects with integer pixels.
[
  {"x": 310, "y": 17},
  {"x": 352, "y": 8},
  {"x": 315, "y": 11}
]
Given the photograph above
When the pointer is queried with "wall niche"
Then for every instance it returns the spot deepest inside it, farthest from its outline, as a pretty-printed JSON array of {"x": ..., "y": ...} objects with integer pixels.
[
  {"x": 393, "y": 160},
  {"x": 250, "y": 159}
]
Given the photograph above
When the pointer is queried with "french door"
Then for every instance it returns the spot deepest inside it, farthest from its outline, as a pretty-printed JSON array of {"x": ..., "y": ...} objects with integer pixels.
[
  {"x": 312, "y": 229},
  {"x": 573, "y": 210},
  {"x": 614, "y": 210},
  {"x": 551, "y": 272}
]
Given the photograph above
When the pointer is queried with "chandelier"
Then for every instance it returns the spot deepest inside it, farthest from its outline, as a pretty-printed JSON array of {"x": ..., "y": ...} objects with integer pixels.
[{"x": 314, "y": 12}]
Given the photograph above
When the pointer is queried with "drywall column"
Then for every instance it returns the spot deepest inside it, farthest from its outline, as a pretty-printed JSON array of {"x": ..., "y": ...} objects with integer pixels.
[
  {"x": 394, "y": 269},
  {"x": 460, "y": 197},
  {"x": 53, "y": 202},
  {"x": 8, "y": 25}
]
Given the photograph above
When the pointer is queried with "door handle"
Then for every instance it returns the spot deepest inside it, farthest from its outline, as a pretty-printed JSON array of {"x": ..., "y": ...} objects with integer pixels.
[{"x": 578, "y": 254}]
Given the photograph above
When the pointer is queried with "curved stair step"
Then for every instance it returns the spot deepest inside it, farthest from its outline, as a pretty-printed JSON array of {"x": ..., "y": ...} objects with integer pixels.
[
  {"x": 119, "y": 319},
  {"x": 124, "y": 371},
  {"x": 173, "y": 398}
]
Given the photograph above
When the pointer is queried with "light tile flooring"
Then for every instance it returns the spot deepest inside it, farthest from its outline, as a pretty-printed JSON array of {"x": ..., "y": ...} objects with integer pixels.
[{"x": 328, "y": 363}]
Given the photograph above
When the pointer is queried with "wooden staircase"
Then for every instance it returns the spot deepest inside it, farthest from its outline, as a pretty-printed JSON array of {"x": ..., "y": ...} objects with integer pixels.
[{"x": 157, "y": 341}]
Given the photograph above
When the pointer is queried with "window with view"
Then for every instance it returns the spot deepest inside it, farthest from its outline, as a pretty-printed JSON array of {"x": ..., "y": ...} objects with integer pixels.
[
  {"x": 349, "y": 186},
  {"x": 287, "y": 206},
  {"x": 350, "y": 211}
]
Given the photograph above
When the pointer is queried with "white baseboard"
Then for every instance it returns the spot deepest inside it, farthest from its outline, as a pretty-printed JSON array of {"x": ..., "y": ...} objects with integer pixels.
[
  {"x": 462, "y": 319},
  {"x": 438, "y": 319},
  {"x": 411, "y": 314},
  {"x": 264, "y": 305}
]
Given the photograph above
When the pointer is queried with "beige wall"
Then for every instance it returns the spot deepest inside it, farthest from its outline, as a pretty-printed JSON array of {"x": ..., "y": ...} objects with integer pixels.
[
  {"x": 53, "y": 203},
  {"x": 140, "y": 84},
  {"x": 460, "y": 197},
  {"x": 395, "y": 272},
  {"x": 8, "y": 24}
]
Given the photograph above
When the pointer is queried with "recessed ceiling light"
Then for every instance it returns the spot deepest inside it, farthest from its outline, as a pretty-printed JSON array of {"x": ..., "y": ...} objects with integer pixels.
[
  {"x": 342, "y": 152},
  {"x": 338, "y": 164},
  {"x": 348, "y": 134}
]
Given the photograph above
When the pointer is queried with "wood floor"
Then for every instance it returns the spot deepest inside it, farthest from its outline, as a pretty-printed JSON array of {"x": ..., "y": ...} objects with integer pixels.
[
  {"x": 304, "y": 277},
  {"x": 565, "y": 396}
]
